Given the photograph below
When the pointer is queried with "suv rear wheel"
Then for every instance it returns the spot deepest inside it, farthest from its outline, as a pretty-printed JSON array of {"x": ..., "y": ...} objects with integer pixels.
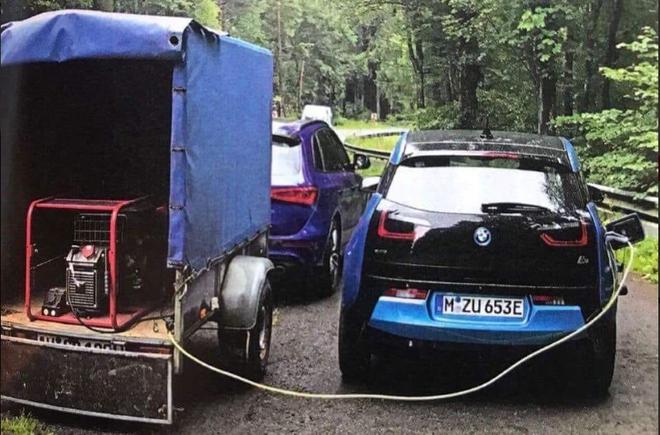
[{"x": 330, "y": 273}]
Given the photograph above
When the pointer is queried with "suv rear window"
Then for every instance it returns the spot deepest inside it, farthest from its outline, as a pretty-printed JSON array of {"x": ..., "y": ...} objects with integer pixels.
[
  {"x": 287, "y": 165},
  {"x": 459, "y": 184}
]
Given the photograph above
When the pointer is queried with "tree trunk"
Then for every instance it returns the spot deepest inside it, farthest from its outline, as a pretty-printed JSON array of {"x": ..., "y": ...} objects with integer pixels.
[
  {"x": 568, "y": 83},
  {"x": 300, "y": 84},
  {"x": 589, "y": 64},
  {"x": 467, "y": 98},
  {"x": 378, "y": 113},
  {"x": 610, "y": 53},
  {"x": 419, "y": 48},
  {"x": 416, "y": 55},
  {"x": 547, "y": 100},
  {"x": 278, "y": 60}
]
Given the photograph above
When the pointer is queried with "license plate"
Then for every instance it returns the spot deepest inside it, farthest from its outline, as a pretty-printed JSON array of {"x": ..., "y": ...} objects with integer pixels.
[
  {"x": 480, "y": 306},
  {"x": 80, "y": 342}
]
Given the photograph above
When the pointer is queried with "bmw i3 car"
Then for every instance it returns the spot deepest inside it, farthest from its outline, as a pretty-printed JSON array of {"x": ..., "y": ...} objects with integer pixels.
[{"x": 477, "y": 239}]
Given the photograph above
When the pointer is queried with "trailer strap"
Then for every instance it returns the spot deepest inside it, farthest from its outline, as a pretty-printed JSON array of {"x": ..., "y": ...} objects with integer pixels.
[{"x": 464, "y": 392}]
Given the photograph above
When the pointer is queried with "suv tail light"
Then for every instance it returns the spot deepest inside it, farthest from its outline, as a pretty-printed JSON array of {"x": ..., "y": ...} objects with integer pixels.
[
  {"x": 295, "y": 195},
  {"x": 582, "y": 239},
  {"x": 404, "y": 230},
  {"x": 407, "y": 293}
]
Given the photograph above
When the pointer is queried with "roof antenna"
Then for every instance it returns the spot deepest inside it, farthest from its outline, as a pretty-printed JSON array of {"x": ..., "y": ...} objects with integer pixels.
[{"x": 485, "y": 133}]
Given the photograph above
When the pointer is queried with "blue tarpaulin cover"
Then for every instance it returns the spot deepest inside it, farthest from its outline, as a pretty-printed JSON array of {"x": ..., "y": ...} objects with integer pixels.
[{"x": 221, "y": 116}]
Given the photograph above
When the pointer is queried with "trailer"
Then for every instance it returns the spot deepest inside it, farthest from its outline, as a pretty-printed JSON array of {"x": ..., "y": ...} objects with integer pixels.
[{"x": 135, "y": 202}]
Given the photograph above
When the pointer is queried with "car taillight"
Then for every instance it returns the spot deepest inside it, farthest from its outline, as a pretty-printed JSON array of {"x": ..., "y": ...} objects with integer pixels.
[
  {"x": 501, "y": 155},
  {"x": 582, "y": 239},
  {"x": 547, "y": 300},
  {"x": 406, "y": 293},
  {"x": 403, "y": 230},
  {"x": 295, "y": 195}
]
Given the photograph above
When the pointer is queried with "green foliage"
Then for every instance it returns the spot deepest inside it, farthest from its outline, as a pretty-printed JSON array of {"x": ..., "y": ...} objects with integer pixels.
[
  {"x": 620, "y": 146},
  {"x": 23, "y": 424},
  {"x": 206, "y": 12},
  {"x": 375, "y": 170},
  {"x": 433, "y": 118},
  {"x": 382, "y": 143},
  {"x": 645, "y": 261},
  {"x": 534, "y": 27}
]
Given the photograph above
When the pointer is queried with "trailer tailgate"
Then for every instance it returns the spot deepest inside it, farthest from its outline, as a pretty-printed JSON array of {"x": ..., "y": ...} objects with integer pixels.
[{"x": 90, "y": 381}]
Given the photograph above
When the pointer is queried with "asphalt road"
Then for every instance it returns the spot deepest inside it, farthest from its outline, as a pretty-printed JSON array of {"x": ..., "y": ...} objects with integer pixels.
[{"x": 304, "y": 357}]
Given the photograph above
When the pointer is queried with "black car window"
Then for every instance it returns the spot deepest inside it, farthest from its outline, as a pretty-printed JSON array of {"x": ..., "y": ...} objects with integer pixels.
[
  {"x": 457, "y": 184},
  {"x": 338, "y": 150},
  {"x": 329, "y": 153},
  {"x": 318, "y": 154}
]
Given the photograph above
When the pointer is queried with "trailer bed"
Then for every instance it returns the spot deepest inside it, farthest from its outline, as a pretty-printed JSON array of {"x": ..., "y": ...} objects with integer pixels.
[{"x": 153, "y": 331}]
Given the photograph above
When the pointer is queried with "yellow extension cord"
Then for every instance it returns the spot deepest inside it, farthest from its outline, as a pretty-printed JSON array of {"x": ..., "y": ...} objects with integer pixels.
[{"x": 464, "y": 392}]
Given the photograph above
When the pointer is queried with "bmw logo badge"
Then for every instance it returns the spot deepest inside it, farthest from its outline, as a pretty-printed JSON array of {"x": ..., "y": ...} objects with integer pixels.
[{"x": 482, "y": 236}]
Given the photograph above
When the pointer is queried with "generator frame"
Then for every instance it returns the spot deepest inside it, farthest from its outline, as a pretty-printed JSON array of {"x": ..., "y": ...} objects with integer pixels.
[{"x": 113, "y": 320}]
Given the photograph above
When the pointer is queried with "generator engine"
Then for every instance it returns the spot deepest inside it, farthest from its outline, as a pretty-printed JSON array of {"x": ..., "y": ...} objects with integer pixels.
[
  {"x": 87, "y": 279},
  {"x": 87, "y": 273}
]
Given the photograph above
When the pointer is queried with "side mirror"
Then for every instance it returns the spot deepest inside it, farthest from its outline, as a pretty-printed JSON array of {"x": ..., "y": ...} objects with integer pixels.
[
  {"x": 596, "y": 195},
  {"x": 361, "y": 161},
  {"x": 370, "y": 184},
  {"x": 629, "y": 226}
]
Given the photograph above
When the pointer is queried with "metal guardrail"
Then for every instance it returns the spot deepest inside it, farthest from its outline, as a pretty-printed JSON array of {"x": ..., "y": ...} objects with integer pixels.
[{"x": 616, "y": 200}]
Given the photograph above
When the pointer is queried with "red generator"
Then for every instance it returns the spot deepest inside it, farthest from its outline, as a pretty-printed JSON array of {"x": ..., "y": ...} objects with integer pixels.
[{"x": 99, "y": 263}]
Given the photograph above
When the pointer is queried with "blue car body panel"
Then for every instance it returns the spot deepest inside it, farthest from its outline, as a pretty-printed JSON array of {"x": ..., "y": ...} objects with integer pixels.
[
  {"x": 354, "y": 254},
  {"x": 572, "y": 155},
  {"x": 605, "y": 275},
  {"x": 417, "y": 320}
]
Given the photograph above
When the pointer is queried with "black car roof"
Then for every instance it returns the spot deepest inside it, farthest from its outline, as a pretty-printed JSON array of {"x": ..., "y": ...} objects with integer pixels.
[{"x": 428, "y": 141}]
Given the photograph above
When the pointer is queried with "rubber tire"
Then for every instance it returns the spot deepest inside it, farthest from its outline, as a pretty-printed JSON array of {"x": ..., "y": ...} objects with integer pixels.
[
  {"x": 599, "y": 362},
  {"x": 257, "y": 359},
  {"x": 354, "y": 355},
  {"x": 327, "y": 282}
]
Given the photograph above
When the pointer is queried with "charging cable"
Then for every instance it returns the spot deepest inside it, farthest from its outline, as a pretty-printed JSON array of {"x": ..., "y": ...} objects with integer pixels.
[{"x": 465, "y": 392}]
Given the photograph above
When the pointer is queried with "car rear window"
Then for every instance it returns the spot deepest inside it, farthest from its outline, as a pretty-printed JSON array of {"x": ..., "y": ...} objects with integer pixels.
[
  {"x": 463, "y": 184},
  {"x": 287, "y": 165}
]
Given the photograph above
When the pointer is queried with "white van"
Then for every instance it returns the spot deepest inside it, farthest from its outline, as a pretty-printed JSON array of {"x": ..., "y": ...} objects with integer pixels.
[{"x": 313, "y": 111}]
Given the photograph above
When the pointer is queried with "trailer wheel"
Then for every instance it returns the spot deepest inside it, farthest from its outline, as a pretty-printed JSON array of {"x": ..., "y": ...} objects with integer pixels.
[{"x": 259, "y": 336}]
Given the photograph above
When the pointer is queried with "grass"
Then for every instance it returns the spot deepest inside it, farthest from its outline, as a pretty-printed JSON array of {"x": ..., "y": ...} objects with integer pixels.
[
  {"x": 358, "y": 124},
  {"x": 23, "y": 424},
  {"x": 375, "y": 170},
  {"x": 646, "y": 259},
  {"x": 383, "y": 143}
]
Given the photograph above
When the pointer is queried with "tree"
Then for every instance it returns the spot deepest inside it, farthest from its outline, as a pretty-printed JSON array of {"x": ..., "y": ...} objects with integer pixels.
[{"x": 620, "y": 146}]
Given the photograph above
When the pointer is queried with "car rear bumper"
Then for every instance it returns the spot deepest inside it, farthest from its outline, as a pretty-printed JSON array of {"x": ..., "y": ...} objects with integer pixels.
[
  {"x": 291, "y": 251},
  {"x": 412, "y": 320}
]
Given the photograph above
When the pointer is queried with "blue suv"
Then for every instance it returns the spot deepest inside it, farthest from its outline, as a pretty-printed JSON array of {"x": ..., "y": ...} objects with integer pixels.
[
  {"x": 316, "y": 200},
  {"x": 477, "y": 239}
]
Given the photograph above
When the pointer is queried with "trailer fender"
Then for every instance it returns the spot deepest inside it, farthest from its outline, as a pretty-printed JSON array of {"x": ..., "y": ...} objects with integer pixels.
[{"x": 241, "y": 292}]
